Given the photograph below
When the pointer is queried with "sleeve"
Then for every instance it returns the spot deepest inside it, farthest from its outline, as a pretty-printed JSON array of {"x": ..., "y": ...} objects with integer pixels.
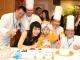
[
  {"x": 39, "y": 20},
  {"x": 35, "y": 18},
  {"x": 62, "y": 32},
  {"x": 77, "y": 41},
  {"x": 24, "y": 24},
  {"x": 39, "y": 43},
  {"x": 63, "y": 43},
  {"x": 4, "y": 23}
]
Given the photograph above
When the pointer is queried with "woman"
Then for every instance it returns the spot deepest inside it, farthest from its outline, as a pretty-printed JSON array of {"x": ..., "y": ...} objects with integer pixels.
[
  {"x": 29, "y": 38},
  {"x": 45, "y": 16}
]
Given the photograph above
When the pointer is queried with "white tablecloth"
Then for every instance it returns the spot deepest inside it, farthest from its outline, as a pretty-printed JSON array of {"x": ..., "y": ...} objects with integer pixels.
[
  {"x": 57, "y": 57},
  {"x": 44, "y": 54}
]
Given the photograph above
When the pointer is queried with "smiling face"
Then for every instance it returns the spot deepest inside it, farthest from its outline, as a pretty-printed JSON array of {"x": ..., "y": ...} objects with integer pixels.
[
  {"x": 55, "y": 23},
  {"x": 19, "y": 13},
  {"x": 39, "y": 11},
  {"x": 69, "y": 33},
  {"x": 29, "y": 12},
  {"x": 44, "y": 15},
  {"x": 35, "y": 31}
]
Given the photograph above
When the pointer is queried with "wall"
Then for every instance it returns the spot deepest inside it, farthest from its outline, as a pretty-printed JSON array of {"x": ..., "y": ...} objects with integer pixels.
[
  {"x": 6, "y": 6},
  {"x": 48, "y": 4},
  {"x": 45, "y": 4}
]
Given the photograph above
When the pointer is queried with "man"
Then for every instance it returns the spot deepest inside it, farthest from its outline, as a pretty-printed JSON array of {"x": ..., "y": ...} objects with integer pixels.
[
  {"x": 10, "y": 24},
  {"x": 55, "y": 22},
  {"x": 70, "y": 40},
  {"x": 38, "y": 11},
  {"x": 30, "y": 17}
]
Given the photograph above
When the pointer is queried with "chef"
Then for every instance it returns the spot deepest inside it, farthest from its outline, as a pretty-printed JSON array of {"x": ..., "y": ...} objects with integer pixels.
[
  {"x": 55, "y": 22},
  {"x": 10, "y": 24},
  {"x": 70, "y": 40},
  {"x": 30, "y": 16}
]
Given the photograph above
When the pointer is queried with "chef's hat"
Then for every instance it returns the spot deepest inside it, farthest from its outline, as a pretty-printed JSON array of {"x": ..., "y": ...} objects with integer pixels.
[
  {"x": 29, "y": 4},
  {"x": 57, "y": 13},
  {"x": 70, "y": 22}
]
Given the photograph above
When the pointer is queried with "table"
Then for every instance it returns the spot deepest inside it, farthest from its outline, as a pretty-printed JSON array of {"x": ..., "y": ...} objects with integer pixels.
[{"x": 44, "y": 54}]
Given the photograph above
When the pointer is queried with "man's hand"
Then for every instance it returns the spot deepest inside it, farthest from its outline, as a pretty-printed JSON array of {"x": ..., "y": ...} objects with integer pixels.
[
  {"x": 58, "y": 44},
  {"x": 76, "y": 47},
  {"x": 11, "y": 32}
]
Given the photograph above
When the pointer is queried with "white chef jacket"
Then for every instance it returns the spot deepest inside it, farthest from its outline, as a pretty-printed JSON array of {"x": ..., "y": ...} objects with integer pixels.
[
  {"x": 59, "y": 30},
  {"x": 60, "y": 33},
  {"x": 8, "y": 21},
  {"x": 69, "y": 43},
  {"x": 35, "y": 18},
  {"x": 31, "y": 19}
]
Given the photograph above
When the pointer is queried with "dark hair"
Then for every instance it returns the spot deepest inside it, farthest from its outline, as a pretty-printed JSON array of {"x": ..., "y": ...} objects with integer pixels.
[
  {"x": 31, "y": 40},
  {"x": 62, "y": 21},
  {"x": 37, "y": 8},
  {"x": 37, "y": 11},
  {"x": 47, "y": 14},
  {"x": 22, "y": 7},
  {"x": 52, "y": 18}
]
